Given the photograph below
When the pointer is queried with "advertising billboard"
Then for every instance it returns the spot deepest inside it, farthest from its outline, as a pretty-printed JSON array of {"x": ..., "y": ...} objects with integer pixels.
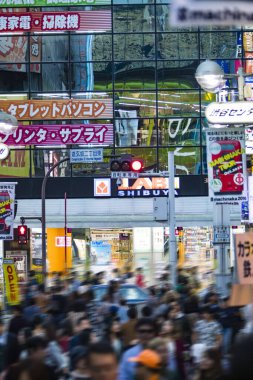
[
  {"x": 211, "y": 12},
  {"x": 226, "y": 160},
  {"x": 7, "y": 202},
  {"x": 85, "y": 134}
]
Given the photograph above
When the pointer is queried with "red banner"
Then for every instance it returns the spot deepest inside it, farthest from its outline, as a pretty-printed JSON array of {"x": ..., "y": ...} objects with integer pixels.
[
  {"x": 98, "y": 21},
  {"x": 97, "y": 134}
]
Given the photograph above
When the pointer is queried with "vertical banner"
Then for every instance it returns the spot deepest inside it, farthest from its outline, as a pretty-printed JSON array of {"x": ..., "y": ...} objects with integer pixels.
[
  {"x": 11, "y": 282},
  {"x": 7, "y": 204},
  {"x": 244, "y": 257},
  {"x": 226, "y": 160}
]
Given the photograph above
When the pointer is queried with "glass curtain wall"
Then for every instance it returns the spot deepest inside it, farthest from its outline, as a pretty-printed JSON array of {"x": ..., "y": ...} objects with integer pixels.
[{"x": 143, "y": 64}]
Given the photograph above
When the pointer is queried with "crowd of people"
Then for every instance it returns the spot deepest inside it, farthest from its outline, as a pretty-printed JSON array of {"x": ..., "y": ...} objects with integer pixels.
[{"x": 64, "y": 332}]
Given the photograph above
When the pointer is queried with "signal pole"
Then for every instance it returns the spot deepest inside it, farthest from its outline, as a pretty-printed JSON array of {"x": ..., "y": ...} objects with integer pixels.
[{"x": 171, "y": 219}]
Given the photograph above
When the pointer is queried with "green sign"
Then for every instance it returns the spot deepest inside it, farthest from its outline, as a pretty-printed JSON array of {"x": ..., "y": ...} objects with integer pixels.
[{"x": 50, "y": 3}]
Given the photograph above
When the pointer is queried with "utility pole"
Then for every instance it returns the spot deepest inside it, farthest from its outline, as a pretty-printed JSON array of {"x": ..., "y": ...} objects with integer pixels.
[
  {"x": 43, "y": 217},
  {"x": 171, "y": 218}
]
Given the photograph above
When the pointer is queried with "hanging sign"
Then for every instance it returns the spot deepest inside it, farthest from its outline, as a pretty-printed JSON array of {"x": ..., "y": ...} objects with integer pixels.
[
  {"x": 244, "y": 257},
  {"x": 226, "y": 160},
  {"x": 211, "y": 12},
  {"x": 85, "y": 134},
  {"x": 7, "y": 201},
  {"x": 230, "y": 113},
  {"x": 58, "y": 109},
  {"x": 11, "y": 282},
  {"x": 50, "y": 3},
  {"x": 99, "y": 21}
]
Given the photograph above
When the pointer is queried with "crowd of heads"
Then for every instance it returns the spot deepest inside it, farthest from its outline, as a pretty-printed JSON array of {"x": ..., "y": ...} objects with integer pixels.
[{"x": 66, "y": 332}]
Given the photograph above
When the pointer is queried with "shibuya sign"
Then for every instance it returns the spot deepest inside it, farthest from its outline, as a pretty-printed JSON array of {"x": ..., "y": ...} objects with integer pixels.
[
  {"x": 146, "y": 187},
  {"x": 230, "y": 113},
  {"x": 211, "y": 12}
]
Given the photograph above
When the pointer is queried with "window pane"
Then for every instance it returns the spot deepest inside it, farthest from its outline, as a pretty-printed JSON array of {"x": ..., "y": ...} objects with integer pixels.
[
  {"x": 181, "y": 103},
  {"x": 218, "y": 45},
  {"x": 135, "y": 132},
  {"x": 54, "y": 48},
  {"x": 142, "y": 104},
  {"x": 17, "y": 164},
  {"x": 13, "y": 80},
  {"x": 53, "y": 77},
  {"x": 102, "y": 47},
  {"x": 128, "y": 19},
  {"x": 187, "y": 160},
  {"x": 134, "y": 75},
  {"x": 177, "y": 46},
  {"x": 179, "y": 131},
  {"x": 176, "y": 74},
  {"x": 134, "y": 46}
]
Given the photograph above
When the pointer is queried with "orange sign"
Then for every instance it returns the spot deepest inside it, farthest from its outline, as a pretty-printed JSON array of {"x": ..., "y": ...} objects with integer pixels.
[
  {"x": 58, "y": 109},
  {"x": 244, "y": 257}
]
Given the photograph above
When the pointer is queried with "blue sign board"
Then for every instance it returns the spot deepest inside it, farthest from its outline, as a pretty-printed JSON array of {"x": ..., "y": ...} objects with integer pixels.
[{"x": 86, "y": 156}]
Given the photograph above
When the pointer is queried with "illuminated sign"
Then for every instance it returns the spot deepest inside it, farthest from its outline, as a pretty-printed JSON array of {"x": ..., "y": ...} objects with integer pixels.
[
  {"x": 210, "y": 12},
  {"x": 146, "y": 187},
  {"x": 50, "y": 3},
  {"x": 230, "y": 113},
  {"x": 58, "y": 109},
  {"x": 99, "y": 21}
]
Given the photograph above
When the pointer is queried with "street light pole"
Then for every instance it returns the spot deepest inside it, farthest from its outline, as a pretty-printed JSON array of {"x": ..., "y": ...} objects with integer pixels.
[
  {"x": 171, "y": 217},
  {"x": 43, "y": 217}
]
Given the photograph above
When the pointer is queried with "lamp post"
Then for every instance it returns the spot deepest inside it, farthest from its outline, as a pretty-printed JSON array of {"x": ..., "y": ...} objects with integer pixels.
[
  {"x": 43, "y": 217},
  {"x": 211, "y": 78}
]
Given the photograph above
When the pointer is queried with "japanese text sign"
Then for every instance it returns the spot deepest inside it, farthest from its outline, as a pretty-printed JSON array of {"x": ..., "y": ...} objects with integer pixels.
[
  {"x": 98, "y": 21},
  {"x": 99, "y": 134},
  {"x": 244, "y": 257},
  {"x": 50, "y": 3},
  {"x": 58, "y": 109},
  {"x": 11, "y": 284},
  {"x": 226, "y": 162},
  {"x": 7, "y": 200},
  {"x": 211, "y": 12},
  {"x": 86, "y": 155},
  {"x": 230, "y": 113}
]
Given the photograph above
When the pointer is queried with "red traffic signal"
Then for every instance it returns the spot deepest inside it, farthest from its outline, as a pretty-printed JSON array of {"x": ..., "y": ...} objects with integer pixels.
[
  {"x": 126, "y": 163},
  {"x": 22, "y": 234}
]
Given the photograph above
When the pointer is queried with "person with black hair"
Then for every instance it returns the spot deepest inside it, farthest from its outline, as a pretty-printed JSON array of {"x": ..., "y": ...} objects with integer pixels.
[
  {"x": 102, "y": 362},
  {"x": 78, "y": 364},
  {"x": 146, "y": 330},
  {"x": 9, "y": 348},
  {"x": 210, "y": 367},
  {"x": 207, "y": 331},
  {"x": 29, "y": 369},
  {"x": 241, "y": 363},
  {"x": 17, "y": 322}
]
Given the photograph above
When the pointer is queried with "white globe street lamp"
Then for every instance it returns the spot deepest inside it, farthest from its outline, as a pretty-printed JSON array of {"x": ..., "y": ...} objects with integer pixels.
[
  {"x": 8, "y": 123},
  {"x": 210, "y": 76}
]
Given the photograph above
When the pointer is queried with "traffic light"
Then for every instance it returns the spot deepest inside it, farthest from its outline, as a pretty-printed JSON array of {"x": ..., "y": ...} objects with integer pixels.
[
  {"x": 22, "y": 234},
  {"x": 126, "y": 163}
]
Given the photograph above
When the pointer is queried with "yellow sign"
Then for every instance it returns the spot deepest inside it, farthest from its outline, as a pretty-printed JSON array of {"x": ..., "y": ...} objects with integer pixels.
[{"x": 11, "y": 284}]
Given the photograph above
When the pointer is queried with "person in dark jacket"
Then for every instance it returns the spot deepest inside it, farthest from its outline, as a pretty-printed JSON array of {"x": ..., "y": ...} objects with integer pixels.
[
  {"x": 17, "y": 322},
  {"x": 9, "y": 348}
]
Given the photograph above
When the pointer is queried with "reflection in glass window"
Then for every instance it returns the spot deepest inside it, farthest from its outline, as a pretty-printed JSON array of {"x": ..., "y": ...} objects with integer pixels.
[
  {"x": 134, "y": 132},
  {"x": 179, "y": 131},
  {"x": 187, "y": 160}
]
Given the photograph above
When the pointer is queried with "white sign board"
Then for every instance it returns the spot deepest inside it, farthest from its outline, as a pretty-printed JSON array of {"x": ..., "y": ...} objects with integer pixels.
[
  {"x": 86, "y": 156},
  {"x": 211, "y": 12},
  {"x": 249, "y": 140},
  {"x": 221, "y": 234},
  {"x": 60, "y": 241},
  {"x": 230, "y": 113},
  {"x": 124, "y": 174}
]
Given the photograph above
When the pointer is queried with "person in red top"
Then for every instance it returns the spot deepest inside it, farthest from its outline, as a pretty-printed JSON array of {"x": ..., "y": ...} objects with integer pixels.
[{"x": 139, "y": 279}]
